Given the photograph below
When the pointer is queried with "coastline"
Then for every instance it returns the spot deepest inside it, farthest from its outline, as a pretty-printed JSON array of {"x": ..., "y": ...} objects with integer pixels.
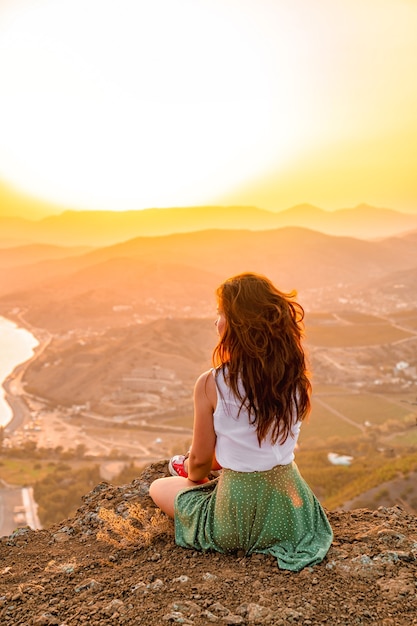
[
  {"x": 16, "y": 402},
  {"x": 14, "y": 394}
]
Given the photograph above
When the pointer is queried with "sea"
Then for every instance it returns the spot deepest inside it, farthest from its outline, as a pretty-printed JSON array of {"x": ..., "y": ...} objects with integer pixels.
[{"x": 17, "y": 345}]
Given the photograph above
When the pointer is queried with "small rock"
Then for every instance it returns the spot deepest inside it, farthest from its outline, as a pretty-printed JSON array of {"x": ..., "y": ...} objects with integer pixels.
[
  {"x": 87, "y": 585},
  {"x": 219, "y": 609},
  {"x": 61, "y": 537},
  {"x": 232, "y": 619},
  {"x": 114, "y": 606},
  {"x": 256, "y": 612},
  {"x": 181, "y": 579},
  {"x": 176, "y": 617},
  {"x": 157, "y": 584}
]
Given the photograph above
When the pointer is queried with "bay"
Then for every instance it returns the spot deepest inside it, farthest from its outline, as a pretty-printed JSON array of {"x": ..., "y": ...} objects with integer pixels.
[{"x": 17, "y": 345}]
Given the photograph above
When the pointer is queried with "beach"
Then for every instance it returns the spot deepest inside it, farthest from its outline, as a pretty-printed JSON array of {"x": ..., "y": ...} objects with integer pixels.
[{"x": 18, "y": 346}]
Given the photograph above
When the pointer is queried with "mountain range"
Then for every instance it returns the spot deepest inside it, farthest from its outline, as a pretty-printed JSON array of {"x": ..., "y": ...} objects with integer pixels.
[
  {"x": 177, "y": 274},
  {"x": 99, "y": 228}
]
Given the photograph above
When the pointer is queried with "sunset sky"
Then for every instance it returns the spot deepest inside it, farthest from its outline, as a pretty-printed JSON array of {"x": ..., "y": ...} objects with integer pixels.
[{"x": 157, "y": 103}]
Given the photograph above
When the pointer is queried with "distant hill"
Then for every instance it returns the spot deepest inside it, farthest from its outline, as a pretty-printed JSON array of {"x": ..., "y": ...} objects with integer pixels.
[
  {"x": 33, "y": 253},
  {"x": 98, "y": 228},
  {"x": 183, "y": 347},
  {"x": 177, "y": 274}
]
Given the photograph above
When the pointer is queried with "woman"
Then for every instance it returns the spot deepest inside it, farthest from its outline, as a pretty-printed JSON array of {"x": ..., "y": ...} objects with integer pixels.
[{"x": 247, "y": 416}]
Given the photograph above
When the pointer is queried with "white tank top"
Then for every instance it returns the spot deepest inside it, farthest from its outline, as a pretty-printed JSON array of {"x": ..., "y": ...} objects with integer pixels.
[{"x": 237, "y": 446}]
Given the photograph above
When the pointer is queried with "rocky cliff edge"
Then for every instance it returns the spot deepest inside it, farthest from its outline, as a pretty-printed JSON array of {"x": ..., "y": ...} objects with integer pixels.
[{"x": 116, "y": 562}]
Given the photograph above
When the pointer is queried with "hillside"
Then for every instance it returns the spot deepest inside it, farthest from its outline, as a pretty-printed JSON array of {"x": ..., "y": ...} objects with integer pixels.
[
  {"x": 177, "y": 274},
  {"x": 114, "y": 360},
  {"x": 99, "y": 228},
  {"x": 65, "y": 575}
]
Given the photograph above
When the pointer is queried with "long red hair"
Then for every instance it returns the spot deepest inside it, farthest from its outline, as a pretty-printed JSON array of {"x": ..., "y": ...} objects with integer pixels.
[{"x": 261, "y": 348}]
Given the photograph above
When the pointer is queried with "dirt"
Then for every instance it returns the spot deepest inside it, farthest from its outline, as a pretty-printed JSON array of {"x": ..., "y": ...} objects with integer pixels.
[{"x": 65, "y": 575}]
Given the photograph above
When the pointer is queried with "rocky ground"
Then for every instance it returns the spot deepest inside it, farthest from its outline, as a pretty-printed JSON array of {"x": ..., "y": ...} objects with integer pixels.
[{"x": 134, "y": 574}]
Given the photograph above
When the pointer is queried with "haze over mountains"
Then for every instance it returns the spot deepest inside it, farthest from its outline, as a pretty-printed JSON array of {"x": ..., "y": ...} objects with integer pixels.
[
  {"x": 87, "y": 228},
  {"x": 177, "y": 274}
]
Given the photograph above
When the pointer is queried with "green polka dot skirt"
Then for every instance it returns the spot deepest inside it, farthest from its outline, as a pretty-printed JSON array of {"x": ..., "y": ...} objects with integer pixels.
[{"x": 272, "y": 512}]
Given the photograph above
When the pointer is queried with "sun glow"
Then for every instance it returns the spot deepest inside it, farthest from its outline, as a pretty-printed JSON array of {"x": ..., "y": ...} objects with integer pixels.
[
  {"x": 136, "y": 103},
  {"x": 140, "y": 104}
]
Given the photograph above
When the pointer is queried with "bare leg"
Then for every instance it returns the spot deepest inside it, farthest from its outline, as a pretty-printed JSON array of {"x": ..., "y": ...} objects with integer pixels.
[{"x": 164, "y": 490}]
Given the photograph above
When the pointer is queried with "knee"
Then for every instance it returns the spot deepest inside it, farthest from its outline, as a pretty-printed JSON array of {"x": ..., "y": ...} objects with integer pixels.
[
  {"x": 164, "y": 490},
  {"x": 154, "y": 488},
  {"x": 160, "y": 493}
]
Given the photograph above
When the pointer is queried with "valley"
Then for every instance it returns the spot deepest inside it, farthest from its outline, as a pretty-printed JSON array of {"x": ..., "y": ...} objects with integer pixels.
[
  {"x": 128, "y": 399},
  {"x": 125, "y": 330}
]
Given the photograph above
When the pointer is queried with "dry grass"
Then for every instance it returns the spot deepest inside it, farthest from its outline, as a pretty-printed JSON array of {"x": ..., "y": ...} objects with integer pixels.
[{"x": 138, "y": 529}]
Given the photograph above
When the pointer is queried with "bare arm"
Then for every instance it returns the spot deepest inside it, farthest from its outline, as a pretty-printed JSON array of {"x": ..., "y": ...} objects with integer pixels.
[{"x": 204, "y": 438}]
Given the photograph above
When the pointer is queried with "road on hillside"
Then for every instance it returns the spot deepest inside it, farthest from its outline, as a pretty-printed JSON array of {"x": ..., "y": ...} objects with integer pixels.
[
  {"x": 10, "y": 500},
  {"x": 17, "y": 509}
]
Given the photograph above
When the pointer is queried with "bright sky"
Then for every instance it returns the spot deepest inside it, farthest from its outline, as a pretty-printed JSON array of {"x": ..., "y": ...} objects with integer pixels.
[{"x": 156, "y": 103}]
